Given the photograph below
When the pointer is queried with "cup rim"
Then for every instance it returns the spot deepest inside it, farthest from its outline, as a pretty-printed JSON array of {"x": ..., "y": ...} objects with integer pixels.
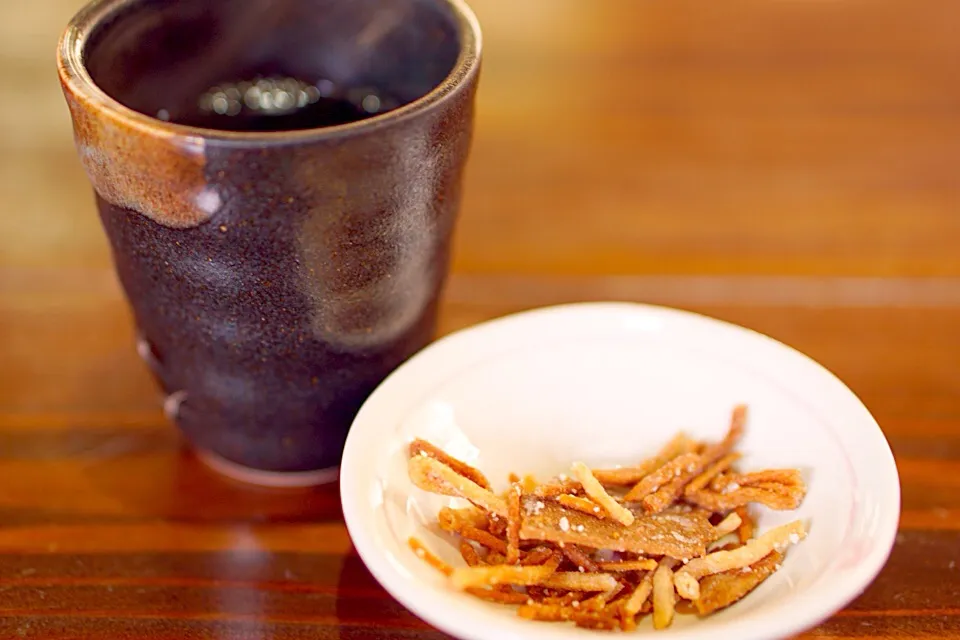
[{"x": 76, "y": 79}]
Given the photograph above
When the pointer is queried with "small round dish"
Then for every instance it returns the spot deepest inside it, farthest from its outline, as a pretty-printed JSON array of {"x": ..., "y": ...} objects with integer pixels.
[{"x": 608, "y": 384}]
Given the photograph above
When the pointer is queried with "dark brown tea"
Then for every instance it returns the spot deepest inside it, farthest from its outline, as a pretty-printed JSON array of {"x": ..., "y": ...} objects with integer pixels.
[
  {"x": 327, "y": 112},
  {"x": 279, "y": 103}
]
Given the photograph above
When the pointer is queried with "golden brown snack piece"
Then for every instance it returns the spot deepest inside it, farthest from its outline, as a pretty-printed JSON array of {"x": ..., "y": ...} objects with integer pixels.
[
  {"x": 558, "y": 487},
  {"x": 664, "y": 496},
  {"x": 664, "y": 596},
  {"x": 610, "y": 594},
  {"x": 513, "y": 523},
  {"x": 423, "y": 448},
  {"x": 779, "y": 498},
  {"x": 683, "y": 464},
  {"x": 583, "y": 505},
  {"x": 711, "y": 472},
  {"x": 484, "y": 538},
  {"x": 719, "y": 561},
  {"x": 463, "y": 577},
  {"x": 720, "y": 590},
  {"x": 681, "y": 535},
  {"x": 629, "y": 476},
  {"x": 546, "y": 612},
  {"x": 529, "y": 483},
  {"x": 598, "y": 494},
  {"x": 453, "y": 520},
  {"x": 497, "y": 595},
  {"x": 747, "y": 524},
  {"x": 565, "y": 600},
  {"x": 469, "y": 554},
  {"x": 576, "y": 581},
  {"x": 647, "y": 564},
  {"x": 431, "y": 475},
  {"x": 558, "y": 609},
  {"x": 498, "y": 526},
  {"x": 427, "y": 556},
  {"x": 578, "y": 557},
  {"x": 727, "y": 526},
  {"x": 539, "y": 555},
  {"x": 597, "y": 621},
  {"x": 786, "y": 485},
  {"x": 634, "y": 604},
  {"x": 789, "y": 477}
]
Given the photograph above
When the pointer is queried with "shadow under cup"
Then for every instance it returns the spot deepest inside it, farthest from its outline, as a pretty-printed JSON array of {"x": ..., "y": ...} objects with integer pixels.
[{"x": 278, "y": 268}]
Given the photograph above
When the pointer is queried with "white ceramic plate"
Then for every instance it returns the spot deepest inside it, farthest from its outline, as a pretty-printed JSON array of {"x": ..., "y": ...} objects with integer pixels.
[{"x": 608, "y": 384}]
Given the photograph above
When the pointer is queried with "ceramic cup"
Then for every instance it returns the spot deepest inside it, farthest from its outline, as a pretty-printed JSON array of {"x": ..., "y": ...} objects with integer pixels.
[{"x": 275, "y": 276}]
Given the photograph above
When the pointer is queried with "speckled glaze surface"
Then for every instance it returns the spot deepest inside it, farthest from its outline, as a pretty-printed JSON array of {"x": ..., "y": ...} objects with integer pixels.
[{"x": 276, "y": 278}]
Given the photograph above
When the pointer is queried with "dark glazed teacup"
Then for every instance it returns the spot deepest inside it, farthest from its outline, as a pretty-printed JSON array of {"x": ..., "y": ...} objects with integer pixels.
[{"x": 278, "y": 269}]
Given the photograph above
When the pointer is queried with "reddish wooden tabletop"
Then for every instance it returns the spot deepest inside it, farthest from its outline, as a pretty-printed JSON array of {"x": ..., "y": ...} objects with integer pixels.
[{"x": 791, "y": 166}]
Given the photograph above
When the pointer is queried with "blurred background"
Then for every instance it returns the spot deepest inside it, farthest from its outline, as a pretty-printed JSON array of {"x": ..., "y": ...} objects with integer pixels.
[{"x": 727, "y": 157}]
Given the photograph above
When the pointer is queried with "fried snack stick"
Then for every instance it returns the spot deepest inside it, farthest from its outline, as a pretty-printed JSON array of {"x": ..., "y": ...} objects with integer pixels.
[
  {"x": 558, "y": 487},
  {"x": 565, "y": 600},
  {"x": 665, "y": 495},
  {"x": 747, "y": 524},
  {"x": 790, "y": 477},
  {"x": 453, "y": 520},
  {"x": 431, "y": 475},
  {"x": 727, "y": 526},
  {"x": 611, "y": 594},
  {"x": 583, "y": 505},
  {"x": 466, "y": 524},
  {"x": 576, "y": 581},
  {"x": 502, "y": 596},
  {"x": 546, "y": 612},
  {"x": 529, "y": 483},
  {"x": 680, "y": 535},
  {"x": 683, "y": 464},
  {"x": 498, "y": 525},
  {"x": 597, "y": 621},
  {"x": 711, "y": 472},
  {"x": 469, "y": 554},
  {"x": 485, "y": 539},
  {"x": 720, "y": 590},
  {"x": 634, "y": 603},
  {"x": 539, "y": 555},
  {"x": 427, "y": 556},
  {"x": 629, "y": 476},
  {"x": 464, "y": 577},
  {"x": 664, "y": 597},
  {"x": 424, "y": 448},
  {"x": 514, "y": 519},
  {"x": 577, "y": 556},
  {"x": 628, "y": 565},
  {"x": 598, "y": 494},
  {"x": 719, "y": 561},
  {"x": 781, "y": 498},
  {"x": 558, "y": 609}
]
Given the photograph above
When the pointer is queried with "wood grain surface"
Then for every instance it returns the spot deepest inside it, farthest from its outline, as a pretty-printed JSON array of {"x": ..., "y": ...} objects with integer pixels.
[{"x": 788, "y": 165}]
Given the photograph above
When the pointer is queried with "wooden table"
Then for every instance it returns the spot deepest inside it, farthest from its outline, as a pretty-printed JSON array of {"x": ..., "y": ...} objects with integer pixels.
[{"x": 791, "y": 166}]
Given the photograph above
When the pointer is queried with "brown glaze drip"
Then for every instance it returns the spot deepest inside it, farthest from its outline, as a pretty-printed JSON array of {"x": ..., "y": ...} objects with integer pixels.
[{"x": 156, "y": 173}]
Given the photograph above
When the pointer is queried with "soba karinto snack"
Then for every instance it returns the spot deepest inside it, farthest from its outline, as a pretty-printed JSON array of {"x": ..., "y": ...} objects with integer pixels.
[{"x": 604, "y": 547}]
